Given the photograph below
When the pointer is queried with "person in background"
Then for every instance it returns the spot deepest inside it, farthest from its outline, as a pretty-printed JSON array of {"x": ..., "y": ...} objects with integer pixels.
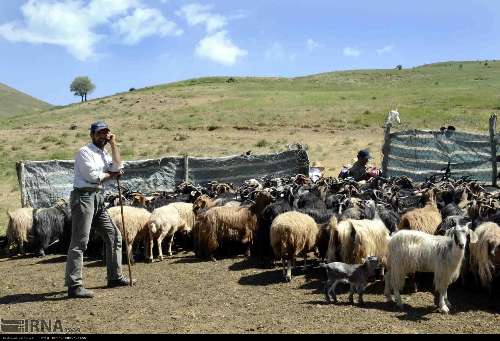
[{"x": 359, "y": 171}]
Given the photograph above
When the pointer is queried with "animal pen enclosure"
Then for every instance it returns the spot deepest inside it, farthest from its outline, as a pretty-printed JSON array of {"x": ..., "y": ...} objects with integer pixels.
[
  {"x": 419, "y": 154},
  {"x": 42, "y": 183}
]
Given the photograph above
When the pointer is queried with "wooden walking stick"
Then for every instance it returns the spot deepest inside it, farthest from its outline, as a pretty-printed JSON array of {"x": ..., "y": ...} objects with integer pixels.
[{"x": 124, "y": 230}]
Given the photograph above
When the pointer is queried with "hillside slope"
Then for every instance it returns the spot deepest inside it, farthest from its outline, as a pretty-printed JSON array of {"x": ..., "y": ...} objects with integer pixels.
[
  {"x": 334, "y": 114},
  {"x": 14, "y": 102}
]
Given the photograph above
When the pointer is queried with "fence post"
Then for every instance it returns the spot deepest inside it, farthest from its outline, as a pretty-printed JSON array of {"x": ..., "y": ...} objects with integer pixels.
[
  {"x": 20, "y": 179},
  {"x": 386, "y": 148},
  {"x": 493, "y": 143},
  {"x": 186, "y": 168}
]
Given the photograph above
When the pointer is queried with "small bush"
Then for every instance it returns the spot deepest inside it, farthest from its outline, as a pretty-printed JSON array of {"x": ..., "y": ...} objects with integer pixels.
[
  {"x": 131, "y": 89},
  {"x": 49, "y": 139},
  {"x": 262, "y": 143},
  {"x": 180, "y": 137},
  {"x": 212, "y": 128},
  {"x": 399, "y": 67}
]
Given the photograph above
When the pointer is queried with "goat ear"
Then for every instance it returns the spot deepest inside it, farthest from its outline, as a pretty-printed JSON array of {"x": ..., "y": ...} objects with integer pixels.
[{"x": 473, "y": 237}]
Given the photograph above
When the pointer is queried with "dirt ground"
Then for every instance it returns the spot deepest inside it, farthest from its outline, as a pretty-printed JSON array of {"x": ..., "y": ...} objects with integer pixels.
[{"x": 185, "y": 295}]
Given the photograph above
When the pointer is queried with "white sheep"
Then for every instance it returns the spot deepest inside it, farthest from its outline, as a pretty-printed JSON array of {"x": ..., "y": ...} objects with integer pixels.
[
  {"x": 352, "y": 240},
  {"x": 411, "y": 251},
  {"x": 136, "y": 222},
  {"x": 485, "y": 254},
  {"x": 19, "y": 227},
  {"x": 164, "y": 222},
  {"x": 293, "y": 233}
]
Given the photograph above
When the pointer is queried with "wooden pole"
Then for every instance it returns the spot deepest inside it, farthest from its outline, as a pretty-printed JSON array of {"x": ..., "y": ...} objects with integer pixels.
[
  {"x": 493, "y": 143},
  {"x": 124, "y": 231},
  {"x": 20, "y": 179}
]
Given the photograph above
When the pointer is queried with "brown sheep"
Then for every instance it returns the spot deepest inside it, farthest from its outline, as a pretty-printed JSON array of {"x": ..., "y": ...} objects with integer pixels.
[
  {"x": 292, "y": 234},
  {"x": 426, "y": 219},
  {"x": 228, "y": 223}
]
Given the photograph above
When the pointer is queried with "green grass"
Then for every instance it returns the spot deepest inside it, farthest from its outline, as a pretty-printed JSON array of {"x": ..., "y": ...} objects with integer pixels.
[
  {"x": 14, "y": 102},
  {"x": 172, "y": 118}
]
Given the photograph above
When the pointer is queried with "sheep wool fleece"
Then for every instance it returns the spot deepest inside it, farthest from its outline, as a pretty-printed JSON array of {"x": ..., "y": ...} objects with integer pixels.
[{"x": 87, "y": 209}]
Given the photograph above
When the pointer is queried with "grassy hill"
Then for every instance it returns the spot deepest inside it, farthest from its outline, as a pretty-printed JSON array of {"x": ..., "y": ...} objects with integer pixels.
[
  {"x": 334, "y": 113},
  {"x": 14, "y": 102}
]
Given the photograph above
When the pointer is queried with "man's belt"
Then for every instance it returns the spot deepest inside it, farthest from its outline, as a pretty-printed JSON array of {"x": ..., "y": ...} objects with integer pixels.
[{"x": 87, "y": 189}]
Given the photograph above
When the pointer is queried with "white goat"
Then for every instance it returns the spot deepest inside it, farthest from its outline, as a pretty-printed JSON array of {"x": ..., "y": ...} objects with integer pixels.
[
  {"x": 392, "y": 117},
  {"x": 412, "y": 251}
]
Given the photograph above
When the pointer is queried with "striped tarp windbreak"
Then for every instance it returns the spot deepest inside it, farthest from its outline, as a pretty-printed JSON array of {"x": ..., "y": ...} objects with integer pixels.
[{"x": 419, "y": 154}]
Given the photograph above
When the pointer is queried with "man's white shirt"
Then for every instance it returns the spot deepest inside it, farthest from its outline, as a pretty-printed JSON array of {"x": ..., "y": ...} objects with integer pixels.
[{"x": 91, "y": 164}]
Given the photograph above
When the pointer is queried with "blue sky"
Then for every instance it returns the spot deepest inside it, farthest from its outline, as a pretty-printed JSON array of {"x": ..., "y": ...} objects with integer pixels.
[{"x": 119, "y": 44}]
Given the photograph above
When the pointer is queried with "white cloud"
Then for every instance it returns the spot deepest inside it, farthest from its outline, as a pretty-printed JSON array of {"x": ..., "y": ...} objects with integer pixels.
[
  {"x": 385, "y": 49},
  {"x": 312, "y": 45},
  {"x": 197, "y": 14},
  {"x": 351, "y": 52},
  {"x": 277, "y": 53},
  {"x": 220, "y": 49},
  {"x": 73, "y": 24},
  {"x": 143, "y": 23}
]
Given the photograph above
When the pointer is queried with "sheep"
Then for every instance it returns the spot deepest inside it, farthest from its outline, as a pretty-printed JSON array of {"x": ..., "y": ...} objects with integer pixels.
[
  {"x": 188, "y": 217},
  {"x": 136, "y": 221},
  {"x": 200, "y": 206},
  {"x": 19, "y": 227},
  {"x": 426, "y": 219},
  {"x": 51, "y": 225},
  {"x": 262, "y": 246},
  {"x": 224, "y": 223},
  {"x": 412, "y": 251},
  {"x": 164, "y": 222},
  {"x": 357, "y": 276},
  {"x": 292, "y": 234},
  {"x": 353, "y": 240},
  {"x": 485, "y": 254}
]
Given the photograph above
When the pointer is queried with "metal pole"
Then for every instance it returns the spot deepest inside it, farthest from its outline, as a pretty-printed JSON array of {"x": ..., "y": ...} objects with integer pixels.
[
  {"x": 124, "y": 230},
  {"x": 186, "y": 168},
  {"x": 493, "y": 143}
]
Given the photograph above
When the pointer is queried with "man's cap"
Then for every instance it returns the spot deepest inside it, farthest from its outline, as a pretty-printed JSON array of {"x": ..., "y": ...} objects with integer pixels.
[
  {"x": 364, "y": 154},
  {"x": 97, "y": 126}
]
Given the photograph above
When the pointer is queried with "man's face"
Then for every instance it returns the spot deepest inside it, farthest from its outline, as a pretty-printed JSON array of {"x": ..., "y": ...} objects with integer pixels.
[
  {"x": 363, "y": 160},
  {"x": 100, "y": 138}
]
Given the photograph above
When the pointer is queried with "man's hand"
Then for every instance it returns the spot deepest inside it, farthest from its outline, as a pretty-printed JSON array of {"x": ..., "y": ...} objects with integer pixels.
[
  {"x": 113, "y": 175},
  {"x": 112, "y": 140}
]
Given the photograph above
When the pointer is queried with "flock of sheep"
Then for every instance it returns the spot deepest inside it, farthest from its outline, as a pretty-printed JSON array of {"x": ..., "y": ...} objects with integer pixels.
[{"x": 444, "y": 226}]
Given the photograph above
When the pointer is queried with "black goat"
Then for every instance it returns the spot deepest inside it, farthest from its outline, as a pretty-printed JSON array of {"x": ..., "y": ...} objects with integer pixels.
[{"x": 51, "y": 225}]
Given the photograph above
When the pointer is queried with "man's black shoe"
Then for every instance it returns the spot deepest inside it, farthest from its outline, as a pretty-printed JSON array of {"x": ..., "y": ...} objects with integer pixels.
[
  {"x": 80, "y": 292},
  {"x": 122, "y": 282}
]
